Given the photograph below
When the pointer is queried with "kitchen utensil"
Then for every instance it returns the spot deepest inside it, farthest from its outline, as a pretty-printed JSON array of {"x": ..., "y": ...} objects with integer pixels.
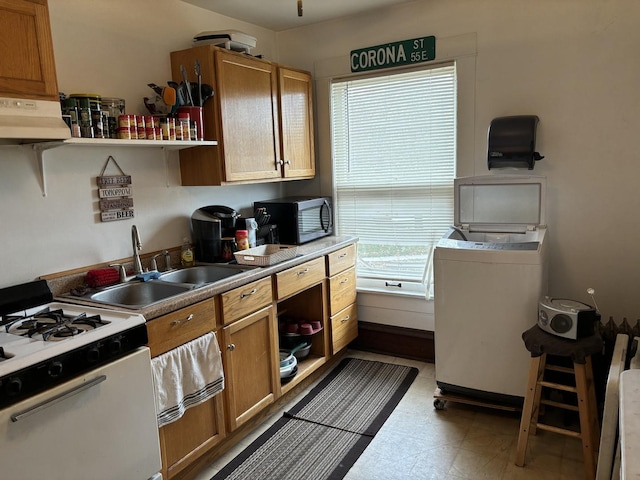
[
  {"x": 156, "y": 105},
  {"x": 285, "y": 358},
  {"x": 151, "y": 107},
  {"x": 183, "y": 70},
  {"x": 288, "y": 357},
  {"x": 303, "y": 352},
  {"x": 199, "y": 76},
  {"x": 286, "y": 370},
  {"x": 169, "y": 97},
  {"x": 155, "y": 88},
  {"x": 206, "y": 92},
  {"x": 288, "y": 378},
  {"x": 180, "y": 98}
]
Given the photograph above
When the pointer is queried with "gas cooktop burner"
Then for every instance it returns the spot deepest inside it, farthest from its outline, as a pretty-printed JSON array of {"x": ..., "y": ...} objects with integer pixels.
[{"x": 51, "y": 325}]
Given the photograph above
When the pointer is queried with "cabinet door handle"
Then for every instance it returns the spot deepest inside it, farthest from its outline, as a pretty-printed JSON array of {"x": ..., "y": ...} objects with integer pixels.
[
  {"x": 344, "y": 280},
  {"x": 252, "y": 292},
  {"x": 280, "y": 162},
  {"x": 302, "y": 272},
  {"x": 178, "y": 322},
  {"x": 287, "y": 162},
  {"x": 231, "y": 347},
  {"x": 345, "y": 319}
]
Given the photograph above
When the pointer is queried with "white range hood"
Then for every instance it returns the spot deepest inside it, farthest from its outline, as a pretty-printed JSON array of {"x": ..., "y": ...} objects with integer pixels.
[{"x": 25, "y": 121}]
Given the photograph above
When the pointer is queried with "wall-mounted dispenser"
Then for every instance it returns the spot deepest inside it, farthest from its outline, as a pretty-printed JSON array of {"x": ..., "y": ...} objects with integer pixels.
[{"x": 512, "y": 142}]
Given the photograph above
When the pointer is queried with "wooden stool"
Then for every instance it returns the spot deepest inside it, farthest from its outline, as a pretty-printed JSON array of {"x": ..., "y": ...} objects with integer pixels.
[{"x": 541, "y": 343}]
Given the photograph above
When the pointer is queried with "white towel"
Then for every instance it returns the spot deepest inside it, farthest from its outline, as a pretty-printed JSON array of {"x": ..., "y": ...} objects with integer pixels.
[{"x": 187, "y": 376}]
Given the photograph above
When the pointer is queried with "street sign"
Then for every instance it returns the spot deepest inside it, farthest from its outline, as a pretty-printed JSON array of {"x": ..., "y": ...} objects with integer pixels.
[{"x": 405, "y": 52}]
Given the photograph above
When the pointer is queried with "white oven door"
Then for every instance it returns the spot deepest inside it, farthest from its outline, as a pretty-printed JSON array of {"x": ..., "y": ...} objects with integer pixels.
[{"x": 100, "y": 425}]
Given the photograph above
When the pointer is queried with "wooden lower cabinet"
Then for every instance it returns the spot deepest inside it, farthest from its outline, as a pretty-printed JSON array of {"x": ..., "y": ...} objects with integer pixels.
[
  {"x": 250, "y": 355},
  {"x": 343, "y": 306},
  {"x": 297, "y": 279},
  {"x": 344, "y": 328},
  {"x": 200, "y": 428},
  {"x": 343, "y": 290}
]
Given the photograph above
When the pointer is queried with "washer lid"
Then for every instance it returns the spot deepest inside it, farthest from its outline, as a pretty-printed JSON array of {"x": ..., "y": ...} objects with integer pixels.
[{"x": 500, "y": 203}]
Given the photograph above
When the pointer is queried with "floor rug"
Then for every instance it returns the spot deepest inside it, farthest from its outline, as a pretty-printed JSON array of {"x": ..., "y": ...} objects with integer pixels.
[{"x": 323, "y": 435}]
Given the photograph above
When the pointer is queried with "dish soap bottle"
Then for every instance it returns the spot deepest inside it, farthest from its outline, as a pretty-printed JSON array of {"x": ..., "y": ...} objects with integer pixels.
[{"x": 186, "y": 255}]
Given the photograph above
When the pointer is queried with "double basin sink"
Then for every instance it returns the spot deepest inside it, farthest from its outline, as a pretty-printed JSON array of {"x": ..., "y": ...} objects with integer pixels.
[{"x": 139, "y": 294}]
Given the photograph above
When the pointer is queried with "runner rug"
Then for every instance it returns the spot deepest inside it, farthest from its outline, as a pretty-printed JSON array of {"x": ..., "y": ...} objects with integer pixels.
[{"x": 323, "y": 435}]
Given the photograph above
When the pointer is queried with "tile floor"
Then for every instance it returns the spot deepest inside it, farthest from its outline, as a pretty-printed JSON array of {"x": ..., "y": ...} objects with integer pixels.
[{"x": 460, "y": 442}]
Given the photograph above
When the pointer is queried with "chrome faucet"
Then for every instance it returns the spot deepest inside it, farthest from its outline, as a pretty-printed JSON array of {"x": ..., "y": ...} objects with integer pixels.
[{"x": 135, "y": 243}]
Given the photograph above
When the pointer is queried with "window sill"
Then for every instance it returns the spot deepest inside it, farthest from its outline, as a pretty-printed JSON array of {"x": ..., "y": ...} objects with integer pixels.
[{"x": 407, "y": 289}]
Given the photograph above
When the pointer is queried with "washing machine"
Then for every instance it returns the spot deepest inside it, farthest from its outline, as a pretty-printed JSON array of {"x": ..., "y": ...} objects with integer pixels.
[{"x": 490, "y": 271}]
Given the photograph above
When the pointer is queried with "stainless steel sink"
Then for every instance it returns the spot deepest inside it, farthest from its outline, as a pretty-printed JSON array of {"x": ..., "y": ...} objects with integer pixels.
[
  {"x": 202, "y": 274},
  {"x": 138, "y": 294}
]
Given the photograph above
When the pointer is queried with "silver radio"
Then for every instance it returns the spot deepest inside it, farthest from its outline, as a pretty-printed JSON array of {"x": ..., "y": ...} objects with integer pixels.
[{"x": 567, "y": 318}]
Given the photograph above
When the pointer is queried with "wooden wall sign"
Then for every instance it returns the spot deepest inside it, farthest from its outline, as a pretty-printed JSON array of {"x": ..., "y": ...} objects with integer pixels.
[{"x": 115, "y": 193}]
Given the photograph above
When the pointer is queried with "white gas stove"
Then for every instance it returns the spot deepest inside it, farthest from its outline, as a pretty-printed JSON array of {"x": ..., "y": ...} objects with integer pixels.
[
  {"x": 65, "y": 370},
  {"x": 46, "y": 344}
]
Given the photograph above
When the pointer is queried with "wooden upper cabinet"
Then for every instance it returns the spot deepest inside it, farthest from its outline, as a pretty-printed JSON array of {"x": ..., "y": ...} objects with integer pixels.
[
  {"x": 247, "y": 92},
  {"x": 296, "y": 123},
  {"x": 261, "y": 115},
  {"x": 27, "y": 68}
]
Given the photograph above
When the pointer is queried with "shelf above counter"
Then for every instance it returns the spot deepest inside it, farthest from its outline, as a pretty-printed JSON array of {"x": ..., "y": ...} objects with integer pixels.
[
  {"x": 113, "y": 142},
  {"x": 166, "y": 146}
]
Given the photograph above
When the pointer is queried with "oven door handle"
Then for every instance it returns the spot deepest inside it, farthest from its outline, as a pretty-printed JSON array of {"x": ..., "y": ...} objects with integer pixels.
[{"x": 58, "y": 398}]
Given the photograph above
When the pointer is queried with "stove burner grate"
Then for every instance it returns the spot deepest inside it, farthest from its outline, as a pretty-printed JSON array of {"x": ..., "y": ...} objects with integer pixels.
[{"x": 51, "y": 324}]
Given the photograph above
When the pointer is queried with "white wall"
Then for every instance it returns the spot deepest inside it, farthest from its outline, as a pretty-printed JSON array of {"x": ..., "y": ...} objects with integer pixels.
[
  {"x": 571, "y": 62},
  {"x": 112, "y": 48}
]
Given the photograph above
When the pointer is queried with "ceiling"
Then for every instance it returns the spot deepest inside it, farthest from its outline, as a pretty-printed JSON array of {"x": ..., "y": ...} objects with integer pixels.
[{"x": 278, "y": 15}]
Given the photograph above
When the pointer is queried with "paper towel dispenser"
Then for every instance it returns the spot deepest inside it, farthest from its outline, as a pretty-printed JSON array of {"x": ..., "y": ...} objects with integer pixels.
[{"x": 512, "y": 142}]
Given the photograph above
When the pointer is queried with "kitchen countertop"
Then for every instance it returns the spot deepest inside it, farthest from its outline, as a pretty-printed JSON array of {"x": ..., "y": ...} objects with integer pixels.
[{"x": 306, "y": 252}]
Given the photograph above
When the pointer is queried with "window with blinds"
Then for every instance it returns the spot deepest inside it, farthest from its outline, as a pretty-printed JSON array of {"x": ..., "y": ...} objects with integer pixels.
[{"x": 394, "y": 146}]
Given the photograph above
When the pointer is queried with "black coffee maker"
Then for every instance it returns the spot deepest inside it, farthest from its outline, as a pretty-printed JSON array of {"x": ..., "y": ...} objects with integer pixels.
[{"x": 209, "y": 225}]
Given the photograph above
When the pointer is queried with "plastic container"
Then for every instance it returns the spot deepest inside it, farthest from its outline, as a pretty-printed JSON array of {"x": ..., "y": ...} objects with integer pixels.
[
  {"x": 252, "y": 227},
  {"x": 115, "y": 106},
  {"x": 70, "y": 107},
  {"x": 242, "y": 239},
  {"x": 186, "y": 255},
  {"x": 90, "y": 114}
]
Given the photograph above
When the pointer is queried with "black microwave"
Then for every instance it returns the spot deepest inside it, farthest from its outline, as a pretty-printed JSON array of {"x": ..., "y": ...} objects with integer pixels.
[{"x": 299, "y": 219}]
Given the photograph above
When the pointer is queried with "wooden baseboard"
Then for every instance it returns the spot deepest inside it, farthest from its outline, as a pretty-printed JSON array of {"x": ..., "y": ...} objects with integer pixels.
[{"x": 396, "y": 341}]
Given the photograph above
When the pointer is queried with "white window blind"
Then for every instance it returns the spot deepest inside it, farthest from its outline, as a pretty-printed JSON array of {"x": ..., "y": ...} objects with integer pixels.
[{"x": 394, "y": 139}]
